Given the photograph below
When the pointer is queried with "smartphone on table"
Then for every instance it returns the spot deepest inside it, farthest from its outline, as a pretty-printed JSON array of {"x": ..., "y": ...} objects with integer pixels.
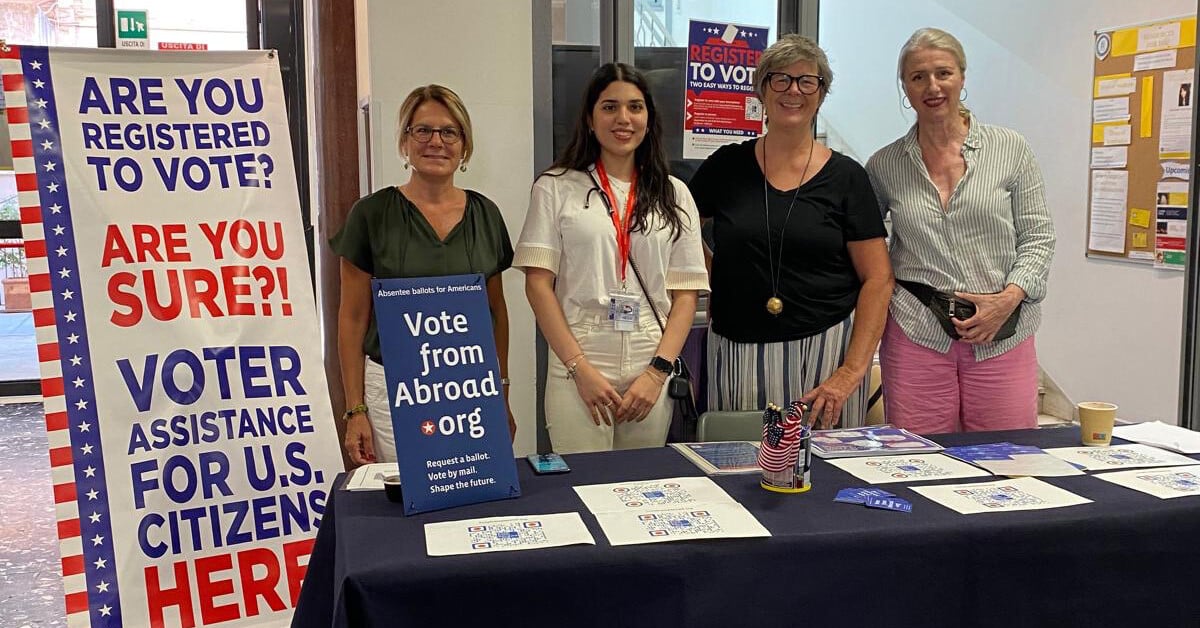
[{"x": 547, "y": 463}]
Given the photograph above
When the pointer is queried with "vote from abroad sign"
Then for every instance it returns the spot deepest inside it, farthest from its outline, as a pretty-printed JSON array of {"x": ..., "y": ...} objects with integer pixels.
[
  {"x": 443, "y": 378},
  {"x": 191, "y": 438}
]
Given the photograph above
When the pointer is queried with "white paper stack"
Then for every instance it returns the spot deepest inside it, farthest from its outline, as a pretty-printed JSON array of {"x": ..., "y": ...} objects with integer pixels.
[
  {"x": 369, "y": 477},
  {"x": 1161, "y": 483},
  {"x": 1159, "y": 434},
  {"x": 506, "y": 534},
  {"x": 887, "y": 469},
  {"x": 1120, "y": 457},
  {"x": 674, "y": 509},
  {"x": 1003, "y": 496}
]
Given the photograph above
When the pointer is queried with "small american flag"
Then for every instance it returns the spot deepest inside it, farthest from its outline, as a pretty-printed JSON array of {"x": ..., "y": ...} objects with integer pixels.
[{"x": 781, "y": 437}]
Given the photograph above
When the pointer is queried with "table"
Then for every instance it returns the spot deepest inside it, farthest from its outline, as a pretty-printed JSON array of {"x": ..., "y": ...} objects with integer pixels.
[{"x": 1128, "y": 559}]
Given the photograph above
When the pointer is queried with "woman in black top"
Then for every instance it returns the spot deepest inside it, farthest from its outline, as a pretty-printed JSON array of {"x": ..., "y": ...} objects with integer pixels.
[{"x": 800, "y": 272}]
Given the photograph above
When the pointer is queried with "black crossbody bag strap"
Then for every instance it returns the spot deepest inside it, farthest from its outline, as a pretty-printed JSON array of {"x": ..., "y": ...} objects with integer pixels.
[{"x": 679, "y": 387}]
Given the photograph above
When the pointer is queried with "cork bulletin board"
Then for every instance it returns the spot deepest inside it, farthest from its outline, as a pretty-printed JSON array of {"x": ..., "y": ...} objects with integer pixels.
[{"x": 1142, "y": 97}]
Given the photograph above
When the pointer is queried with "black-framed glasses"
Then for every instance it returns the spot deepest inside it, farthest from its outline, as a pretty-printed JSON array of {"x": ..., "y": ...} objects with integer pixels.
[
  {"x": 422, "y": 133},
  {"x": 807, "y": 83}
]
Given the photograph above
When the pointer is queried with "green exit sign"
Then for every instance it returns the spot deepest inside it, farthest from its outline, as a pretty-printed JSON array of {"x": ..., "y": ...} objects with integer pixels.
[{"x": 132, "y": 31}]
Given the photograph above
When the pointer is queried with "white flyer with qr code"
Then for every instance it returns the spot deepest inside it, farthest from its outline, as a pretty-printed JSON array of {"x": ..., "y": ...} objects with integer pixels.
[
  {"x": 652, "y": 494},
  {"x": 674, "y": 509},
  {"x": 714, "y": 521},
  {"x": 913, "y": 468},
  {"x": 1120, "y": 457},
  {"x": 505, "y": 534},
  {"x": 1161, "y": 483},
  {"x": 1003, "y": 496}
]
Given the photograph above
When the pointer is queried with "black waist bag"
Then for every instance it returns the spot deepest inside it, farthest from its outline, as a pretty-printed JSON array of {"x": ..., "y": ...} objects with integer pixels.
[{"x": 945, "y": 306}]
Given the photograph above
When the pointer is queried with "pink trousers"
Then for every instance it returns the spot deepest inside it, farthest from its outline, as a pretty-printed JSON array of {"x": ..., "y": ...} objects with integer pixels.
[{"x": 930, "y": 393}]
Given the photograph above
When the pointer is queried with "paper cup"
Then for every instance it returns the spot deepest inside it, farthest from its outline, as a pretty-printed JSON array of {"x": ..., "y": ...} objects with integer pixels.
[
  {"x": 1096, "y": 420},
  {"x": 391, "y": 487}
]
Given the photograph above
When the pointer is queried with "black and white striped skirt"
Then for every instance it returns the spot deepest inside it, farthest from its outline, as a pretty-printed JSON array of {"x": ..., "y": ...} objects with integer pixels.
[{"x": 746, "y": 376}]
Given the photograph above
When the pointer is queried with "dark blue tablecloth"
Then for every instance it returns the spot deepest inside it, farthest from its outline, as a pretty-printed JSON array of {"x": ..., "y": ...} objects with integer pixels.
[{"x": 1128, "y": 559}]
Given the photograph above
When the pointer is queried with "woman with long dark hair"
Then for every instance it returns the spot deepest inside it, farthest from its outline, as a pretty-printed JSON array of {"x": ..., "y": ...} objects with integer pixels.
[{"x": 613, "y": 267}]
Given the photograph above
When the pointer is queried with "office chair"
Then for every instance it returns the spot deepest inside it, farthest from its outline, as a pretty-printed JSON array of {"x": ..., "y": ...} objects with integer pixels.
[{"x": 717, "y": 426}]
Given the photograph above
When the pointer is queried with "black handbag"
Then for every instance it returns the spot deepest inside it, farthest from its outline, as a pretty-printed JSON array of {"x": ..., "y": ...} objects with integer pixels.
[
  {"x": 679, "y": 387},
  {"x": 946, "y": 306}
]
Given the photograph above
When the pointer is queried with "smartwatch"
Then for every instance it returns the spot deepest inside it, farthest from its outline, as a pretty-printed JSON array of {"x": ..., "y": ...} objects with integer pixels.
[{"x": 662, "y": 365}]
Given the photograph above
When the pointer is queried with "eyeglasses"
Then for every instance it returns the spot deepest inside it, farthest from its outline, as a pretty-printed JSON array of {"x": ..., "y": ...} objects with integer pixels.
[
  {"x": 449, "y": 135},
  {"x": 808, "y": 83}
]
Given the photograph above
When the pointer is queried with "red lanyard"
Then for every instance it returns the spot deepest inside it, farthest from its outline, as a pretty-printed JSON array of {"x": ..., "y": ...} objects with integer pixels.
[{"x": 619, "y": 224}]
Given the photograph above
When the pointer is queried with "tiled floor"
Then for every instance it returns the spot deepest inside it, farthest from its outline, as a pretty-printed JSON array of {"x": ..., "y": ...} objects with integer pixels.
[{"x": 31, "y": 592}]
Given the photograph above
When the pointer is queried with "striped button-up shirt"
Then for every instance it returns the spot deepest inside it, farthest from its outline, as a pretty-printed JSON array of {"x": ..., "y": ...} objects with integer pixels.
[{"x": 995, "y": 230}]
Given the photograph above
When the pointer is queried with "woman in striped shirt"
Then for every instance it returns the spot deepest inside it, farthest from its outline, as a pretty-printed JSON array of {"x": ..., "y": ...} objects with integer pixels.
[{"x": 971, "y": 246}]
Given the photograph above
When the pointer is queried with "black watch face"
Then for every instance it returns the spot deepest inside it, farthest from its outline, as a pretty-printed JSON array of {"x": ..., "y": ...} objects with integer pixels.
[{"x": 660, "y": 364}]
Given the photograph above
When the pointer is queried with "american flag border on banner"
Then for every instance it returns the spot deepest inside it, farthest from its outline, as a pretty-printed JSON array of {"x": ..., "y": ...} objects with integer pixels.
[{"x": 76, "y": 456}]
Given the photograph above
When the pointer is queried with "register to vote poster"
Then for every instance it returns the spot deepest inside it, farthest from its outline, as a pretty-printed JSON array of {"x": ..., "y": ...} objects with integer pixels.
[
  {"x": 191, "y": 437},
  {"x": 720, "y": 106}
]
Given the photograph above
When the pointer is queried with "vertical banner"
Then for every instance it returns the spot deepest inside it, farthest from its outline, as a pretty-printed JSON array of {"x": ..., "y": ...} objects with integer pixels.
[
  {"x": 443, "y": 379},
  {"x": 719, "y": 103},
  {"x": 191, "y": 437}
]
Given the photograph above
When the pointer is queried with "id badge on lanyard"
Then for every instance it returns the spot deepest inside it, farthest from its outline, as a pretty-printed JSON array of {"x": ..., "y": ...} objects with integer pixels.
[{"x": 623, "y": 308}]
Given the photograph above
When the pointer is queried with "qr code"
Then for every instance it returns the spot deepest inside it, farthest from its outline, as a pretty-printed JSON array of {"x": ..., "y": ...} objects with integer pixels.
[
  {"x": 510, "y": 534},
  {"x": 653, "y": 494},
  {"x": 1181, "y": 481},
  {"x": 1000, "y": 497},
  {"x": 911, "y": 468},
  {"x": 1120, "y": 457},
  {"x": 754, "y": 108},
  {"x": 679, "y": 523}
]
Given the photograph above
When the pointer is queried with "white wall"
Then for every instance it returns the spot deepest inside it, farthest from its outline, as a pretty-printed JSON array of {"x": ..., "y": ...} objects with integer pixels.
[
  {"x": 1111, "y": 331},
  {"x": 483, "y": 51}
]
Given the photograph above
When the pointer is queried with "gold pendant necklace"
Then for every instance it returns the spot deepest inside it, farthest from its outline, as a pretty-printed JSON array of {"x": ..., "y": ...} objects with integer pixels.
[{"x": 775, "y": 304}]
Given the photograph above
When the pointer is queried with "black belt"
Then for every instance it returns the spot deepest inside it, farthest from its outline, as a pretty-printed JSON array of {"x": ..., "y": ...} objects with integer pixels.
[{"x": 945, "y": 306}]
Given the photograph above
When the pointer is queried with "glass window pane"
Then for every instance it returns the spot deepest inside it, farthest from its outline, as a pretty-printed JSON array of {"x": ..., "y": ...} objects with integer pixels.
[
  {"x": 575, "y": 55},
  {"x": 208, "y": 25},
  {"x": 18, "y": 346},
  {"x": 61, "y": 23}
]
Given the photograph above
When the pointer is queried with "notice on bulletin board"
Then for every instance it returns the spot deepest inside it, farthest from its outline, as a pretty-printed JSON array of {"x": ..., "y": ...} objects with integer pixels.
[
  {"x": 720, "y": 104},
  {"x": 1142, "y": 98}
]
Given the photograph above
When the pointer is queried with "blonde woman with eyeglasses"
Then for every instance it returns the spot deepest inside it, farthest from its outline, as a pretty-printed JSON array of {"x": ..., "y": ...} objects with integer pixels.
[
  {"x": 426, "y": 227},
  {"x": 800, "y": 272}
]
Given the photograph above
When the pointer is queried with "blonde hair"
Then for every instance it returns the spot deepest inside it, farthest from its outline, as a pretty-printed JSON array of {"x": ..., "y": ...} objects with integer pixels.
[
  {"x": 787, "y": 50},
  {"x": 937, "y": 39},
  {"x": 445, "y": 97}
]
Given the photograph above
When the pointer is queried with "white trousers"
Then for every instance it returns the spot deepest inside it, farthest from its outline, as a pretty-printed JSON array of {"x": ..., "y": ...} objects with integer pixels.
[
  {"x": 379, "y": 411},
  {"x": 620, "y": 357}
]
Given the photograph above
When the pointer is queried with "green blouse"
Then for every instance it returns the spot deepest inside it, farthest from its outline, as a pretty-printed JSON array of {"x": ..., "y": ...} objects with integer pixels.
[{"x": 387, "y": 237}]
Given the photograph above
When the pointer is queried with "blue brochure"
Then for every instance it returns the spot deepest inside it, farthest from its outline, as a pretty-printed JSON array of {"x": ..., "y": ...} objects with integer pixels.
[
  {"x": 443, "y": 379},
  {"x": 860, "y": 495}
]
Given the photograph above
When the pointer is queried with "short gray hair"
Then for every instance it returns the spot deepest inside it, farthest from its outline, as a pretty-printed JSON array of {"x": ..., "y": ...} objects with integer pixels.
[
  {"x": 937, "y": 39},
  {"x": 787, "y": 50}
]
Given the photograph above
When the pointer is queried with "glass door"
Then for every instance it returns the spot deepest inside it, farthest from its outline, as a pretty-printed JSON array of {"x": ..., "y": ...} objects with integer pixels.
[{"x": 62, "y": 23}]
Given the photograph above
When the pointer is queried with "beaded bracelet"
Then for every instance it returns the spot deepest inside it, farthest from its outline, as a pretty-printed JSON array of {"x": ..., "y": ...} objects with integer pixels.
[
  {"x": 573, "y": 365},
  {"x": 359, "y": 409}
]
